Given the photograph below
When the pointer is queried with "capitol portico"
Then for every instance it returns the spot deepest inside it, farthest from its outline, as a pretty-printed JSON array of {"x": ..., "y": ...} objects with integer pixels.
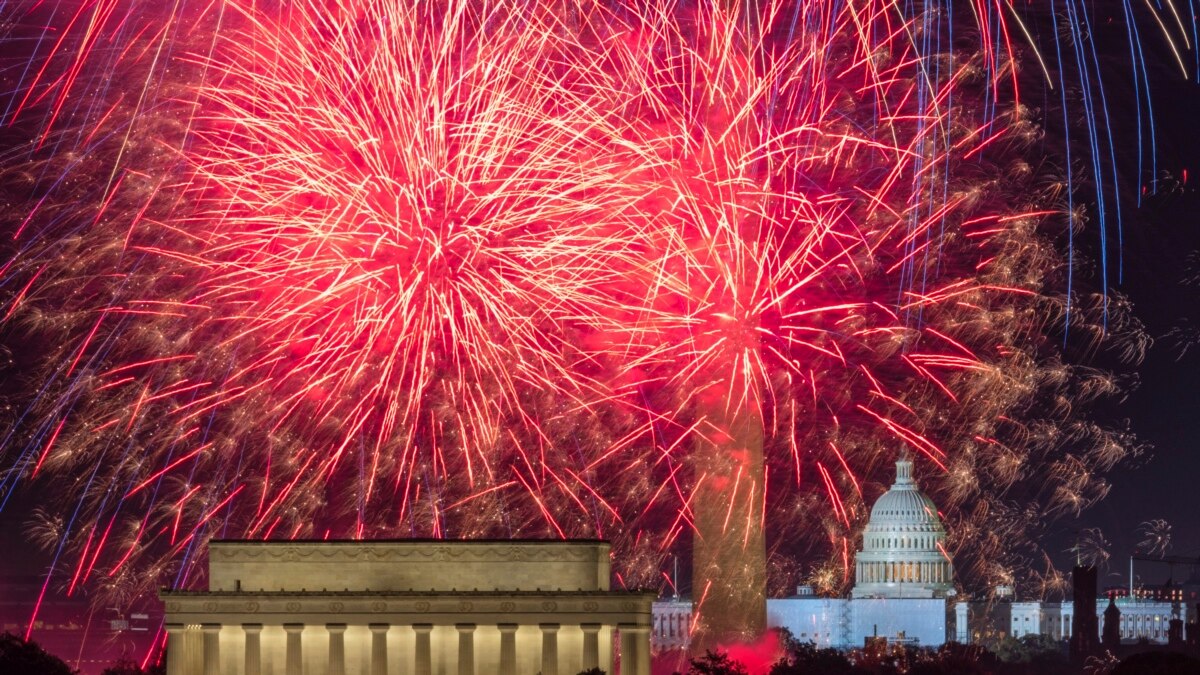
[{"x": 411, "y": 607}]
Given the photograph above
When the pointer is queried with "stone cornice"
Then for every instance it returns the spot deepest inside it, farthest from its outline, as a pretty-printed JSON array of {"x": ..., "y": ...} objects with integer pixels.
[
  {"x": 402, "y": 595},
  {"x": 410, "y": 551},
  {"x": 349, "y": 607}
]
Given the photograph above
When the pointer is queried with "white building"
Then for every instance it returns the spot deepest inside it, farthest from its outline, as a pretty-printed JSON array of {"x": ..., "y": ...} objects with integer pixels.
[
  {"x": 1052, "y": 619},
  {"x": 1141, "y": 619},
  {"x": 902, "y": 579},
  {"x": 672, "y": 624},
  {"x": 412, "y": 607},
  {"x": 843, "y": 623},
  {"x": 903, "y": 553},
  {"x": 1145, "y": 619}
]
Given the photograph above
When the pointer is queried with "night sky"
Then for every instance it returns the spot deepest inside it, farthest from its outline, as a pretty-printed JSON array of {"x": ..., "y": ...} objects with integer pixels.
[
  {"x": 1159, "y": 252},
  {"x": 1164, "y": 407}
]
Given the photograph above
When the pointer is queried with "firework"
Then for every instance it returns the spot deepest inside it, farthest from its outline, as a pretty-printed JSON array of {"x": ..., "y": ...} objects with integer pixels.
[
  {"x": 1156, "y": 537},
  {"x": 655, "y": 273}
]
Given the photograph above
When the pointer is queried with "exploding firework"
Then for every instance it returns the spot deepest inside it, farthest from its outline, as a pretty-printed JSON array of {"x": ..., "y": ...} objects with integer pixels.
[
  {"x": 1091, "y": 548},
  {"x": 1156, "y": 537},
  {"x": 656, "y": 273}
]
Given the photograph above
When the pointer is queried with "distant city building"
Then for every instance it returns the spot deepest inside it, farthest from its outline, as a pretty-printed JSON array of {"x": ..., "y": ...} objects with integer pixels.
[
  {"x": 1146, "y": 620},
  {"x": 1053, "y": 619},
  {"x": 422, "y": 607},
  {"x": 672, "y": 622},
  {"x": 1141, "y": 619}
]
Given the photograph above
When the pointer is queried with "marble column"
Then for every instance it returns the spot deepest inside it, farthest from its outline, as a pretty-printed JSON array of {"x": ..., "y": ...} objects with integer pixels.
[
  {"x": 253, "y": 661},
  {"x": 212, "y": 648},
  {"x": 466, "y": 648},
  {"x": 176, "y": 634},
  {"x": 635, "y": 649},
  {"x": 591, "y": 644},
  {"x": 424, "y": 654},
  {"x": 508, "y": 648},
  {"x": 193, "y": 650},
  {"x": 549, "y": 648},
  {"x": 379, "y": 632},
  {"x": 337, "y": 648},
  {"x": 293, "y": 660}
]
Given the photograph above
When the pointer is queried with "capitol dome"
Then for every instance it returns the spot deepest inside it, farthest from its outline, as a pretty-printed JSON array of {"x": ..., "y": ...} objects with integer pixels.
[{"x": 903, "y": 553}]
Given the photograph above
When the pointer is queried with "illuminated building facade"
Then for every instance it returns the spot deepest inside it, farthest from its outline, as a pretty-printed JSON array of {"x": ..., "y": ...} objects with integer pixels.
[
  {"x": 1141, "y": 619},
  {"x": 420, "y": 607},
  {"x": 902, "y": 579}
]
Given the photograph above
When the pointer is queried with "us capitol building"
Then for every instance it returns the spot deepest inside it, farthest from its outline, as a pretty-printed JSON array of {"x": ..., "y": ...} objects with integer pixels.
[
  {"x": 904, "y": 593},
  {"x": 903, "y": 579}
]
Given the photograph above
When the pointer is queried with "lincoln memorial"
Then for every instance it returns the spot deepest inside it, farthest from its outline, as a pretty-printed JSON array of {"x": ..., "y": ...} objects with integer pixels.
[{"x": 407, "y": 608}]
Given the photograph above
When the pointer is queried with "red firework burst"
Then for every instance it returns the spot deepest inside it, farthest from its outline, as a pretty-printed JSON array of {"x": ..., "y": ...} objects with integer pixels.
[{"x": 459, "y": 269}]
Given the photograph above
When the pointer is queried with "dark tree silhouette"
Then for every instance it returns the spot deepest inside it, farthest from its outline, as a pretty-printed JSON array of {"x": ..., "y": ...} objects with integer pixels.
[
  {"x": 1158, "y": 663},
  {"x": 128, "y": 667},
  {"x": 716, "y": 663},
  {"x": 805, "y": 657},
  {"x": 22, "y": 657}
]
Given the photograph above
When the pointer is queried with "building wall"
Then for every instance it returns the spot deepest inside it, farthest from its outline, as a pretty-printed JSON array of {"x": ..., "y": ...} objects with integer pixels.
[
  {"x": 922, "y": 620},
  {"x": 1140, "y": 619},
  {"x": 401, "y": 649},
  {"x": 822, "y": 621},
  {"x": 1026, "y": 619},
  {"x": 832, "y": 622},
  {"x": 672, "y": 623},
  {"x": 978, "y": 620},
  {"x": 545, "y": 590},
  {"x": 1145, "y": 620},
  {"x": 408, "y": 565}
]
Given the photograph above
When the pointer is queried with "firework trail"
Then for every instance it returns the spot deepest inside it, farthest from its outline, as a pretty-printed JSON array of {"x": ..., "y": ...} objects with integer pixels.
[
  {"x": 1156, "y": 537},
  {"x": 662, "y": 273},
  {"x": 1091, "y": 548}
]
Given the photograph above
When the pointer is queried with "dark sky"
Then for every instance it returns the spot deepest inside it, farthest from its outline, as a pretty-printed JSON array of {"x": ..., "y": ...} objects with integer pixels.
[
  {"x": 1159, "y": 250},
  {"x": 1164, "y": 408}
]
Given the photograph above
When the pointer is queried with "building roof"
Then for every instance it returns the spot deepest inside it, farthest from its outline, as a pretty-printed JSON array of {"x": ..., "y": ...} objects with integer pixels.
[{"x": 904, "y": 508}]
